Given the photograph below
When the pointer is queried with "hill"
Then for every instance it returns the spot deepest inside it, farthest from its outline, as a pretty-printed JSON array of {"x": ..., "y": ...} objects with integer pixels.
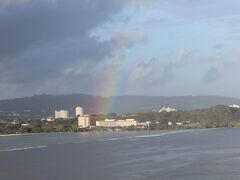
[{"x": 44, "y": 105}]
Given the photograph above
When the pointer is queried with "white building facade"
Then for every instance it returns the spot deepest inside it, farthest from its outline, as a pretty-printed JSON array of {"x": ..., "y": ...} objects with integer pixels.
[
  {"x": 84, "y": 121},
  {"x": 116, "y": 123},
  {"x": 168, "y": 109},
  {"x": 235, "y": 106},
  {"x": 64, "y": 114},
  {"x": 79, "y": 111}
]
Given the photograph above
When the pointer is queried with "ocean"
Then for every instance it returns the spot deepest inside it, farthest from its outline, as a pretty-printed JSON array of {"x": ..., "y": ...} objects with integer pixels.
[{"x": 207, "y": 154}]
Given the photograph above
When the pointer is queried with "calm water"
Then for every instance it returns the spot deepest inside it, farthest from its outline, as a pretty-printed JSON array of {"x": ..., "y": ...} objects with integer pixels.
[{"x": 182, "y": 155}]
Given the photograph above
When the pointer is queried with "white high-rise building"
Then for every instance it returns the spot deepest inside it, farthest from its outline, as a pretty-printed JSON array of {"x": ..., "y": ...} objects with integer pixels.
[
  {"x": 83, "y": 121},
  {"x": 79, "y": 111},
  {"x": 64, "y": 114}
]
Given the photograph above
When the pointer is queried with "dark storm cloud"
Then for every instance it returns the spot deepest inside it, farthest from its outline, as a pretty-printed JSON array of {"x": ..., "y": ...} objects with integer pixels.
[
  {"x": 35, "y": 23},
  {"x": 45, "y": 44},
  {"x": 50, "y": 60},
  {"x": 41, "y": 38},
  {"x": 46, "y": 47}
]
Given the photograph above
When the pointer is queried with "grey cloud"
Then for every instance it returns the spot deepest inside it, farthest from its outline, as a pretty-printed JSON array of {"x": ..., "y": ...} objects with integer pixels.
[
  {"x": 49, "y": 61},
  {"x": 35, "y": 23},
  {"x": 44, "y": 42},
  {"x": 218, "y": 46},
  {"x": 123, "y": 40},
  {"x": 157, "y": 72},
  {"x": 181, "y": 57},
  {"x": 169, "y": 70},
  {"x": 214, "y": 73},
  {"x": 12, "y": 2},
  {"x": 143, "y": 70},
  {"x": 172, "y": 13}
]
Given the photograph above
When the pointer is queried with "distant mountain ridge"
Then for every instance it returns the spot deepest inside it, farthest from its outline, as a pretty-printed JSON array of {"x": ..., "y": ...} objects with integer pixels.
[{"x": 44, "y": 105}]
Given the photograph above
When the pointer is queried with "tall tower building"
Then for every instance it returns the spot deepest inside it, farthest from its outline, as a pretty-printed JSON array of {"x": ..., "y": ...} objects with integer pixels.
[{"x": 79, "y": 111}]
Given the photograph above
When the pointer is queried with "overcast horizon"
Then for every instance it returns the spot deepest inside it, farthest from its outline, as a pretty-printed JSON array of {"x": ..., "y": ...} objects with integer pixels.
[
  {"x": 139, "y": 95},
  {"x": 113, "y": 47}
]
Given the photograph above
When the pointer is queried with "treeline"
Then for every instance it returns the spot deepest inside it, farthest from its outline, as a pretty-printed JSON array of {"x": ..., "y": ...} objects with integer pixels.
[
  {"x": 37, "y": 126},
  {"x": 214, "y": 117}
]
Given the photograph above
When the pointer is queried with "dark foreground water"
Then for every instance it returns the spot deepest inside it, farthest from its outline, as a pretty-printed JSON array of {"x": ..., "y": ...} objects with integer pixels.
[{"x": 161, "y": 155}]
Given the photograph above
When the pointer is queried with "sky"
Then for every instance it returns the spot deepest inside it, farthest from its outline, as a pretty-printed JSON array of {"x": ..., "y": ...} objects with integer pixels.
[{"x": 119, "y": 47}]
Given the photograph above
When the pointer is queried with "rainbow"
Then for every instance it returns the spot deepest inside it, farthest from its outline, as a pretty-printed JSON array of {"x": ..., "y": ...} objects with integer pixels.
[{"x": 112, "y": 82}]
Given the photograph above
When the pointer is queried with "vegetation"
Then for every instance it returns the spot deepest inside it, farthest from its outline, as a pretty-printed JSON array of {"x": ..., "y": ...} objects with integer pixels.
[
  {"x": 37, "y": 126},
  {"x": 214, "y": 117}
]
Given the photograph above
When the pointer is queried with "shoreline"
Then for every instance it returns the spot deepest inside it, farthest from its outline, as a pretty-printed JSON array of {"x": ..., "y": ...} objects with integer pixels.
[{"x": 30, "y": 134}]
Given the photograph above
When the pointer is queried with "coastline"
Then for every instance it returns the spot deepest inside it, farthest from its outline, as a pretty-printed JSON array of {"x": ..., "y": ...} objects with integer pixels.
[
  {"x": 29, "y": 134},
  {"x": 152, "y": 131}
]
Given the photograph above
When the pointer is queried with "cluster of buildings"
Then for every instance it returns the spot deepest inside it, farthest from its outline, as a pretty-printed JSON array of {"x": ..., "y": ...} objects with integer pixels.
[{"x": 84, "y": 120}]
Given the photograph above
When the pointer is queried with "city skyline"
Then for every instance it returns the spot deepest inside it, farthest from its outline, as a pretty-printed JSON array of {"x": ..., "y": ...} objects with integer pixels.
[{"x": 112, "y": 47}]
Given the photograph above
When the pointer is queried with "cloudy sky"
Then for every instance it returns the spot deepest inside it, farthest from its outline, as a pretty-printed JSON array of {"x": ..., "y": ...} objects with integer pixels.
[{"x": 116, "y": 47}]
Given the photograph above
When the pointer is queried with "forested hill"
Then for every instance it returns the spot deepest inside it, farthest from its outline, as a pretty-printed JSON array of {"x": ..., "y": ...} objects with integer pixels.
[
  {"x": 44, "y": 105},
  {"x": 213, "y": 117}
]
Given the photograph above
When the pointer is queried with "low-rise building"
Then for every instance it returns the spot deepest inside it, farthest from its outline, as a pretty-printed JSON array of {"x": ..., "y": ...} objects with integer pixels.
[
  {"x": 107, "y": 123},
  {"x": 14, "y": 122},
  {"x": 130, "y": 122},
  {"x": 25, "y": 125},
  {"x": 116, "y": 123},
  {"x": 49, "y": 119},
  {"x": 168, "y": 109},
  {"x": 143, "y": 124},
  {"x": 170, "y": 123},
  {"x": 235, "y": 106},
  {"x": 121, "y": 123}
]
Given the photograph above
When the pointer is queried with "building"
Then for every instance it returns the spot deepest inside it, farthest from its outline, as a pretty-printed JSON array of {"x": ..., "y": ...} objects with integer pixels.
[
  {"x": 49, "y": 119},
  {"x": 235, "y": 106},
  {"x": 79, "y": 111},
  {"x": 25, "y": 125},
  {"x": 168, "y": 109},
  {"x": 107, "y": 123},
  {"x": 63, "y": 114},
  {"x": 120, "y": 123},
  {"x": 170, "y": 123},
  {"x": 143, "y": 124},
  {"x": 84, "y": 121},
  {"x": 116, "y": 123},
  {"x": 130, "y": 122}
]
